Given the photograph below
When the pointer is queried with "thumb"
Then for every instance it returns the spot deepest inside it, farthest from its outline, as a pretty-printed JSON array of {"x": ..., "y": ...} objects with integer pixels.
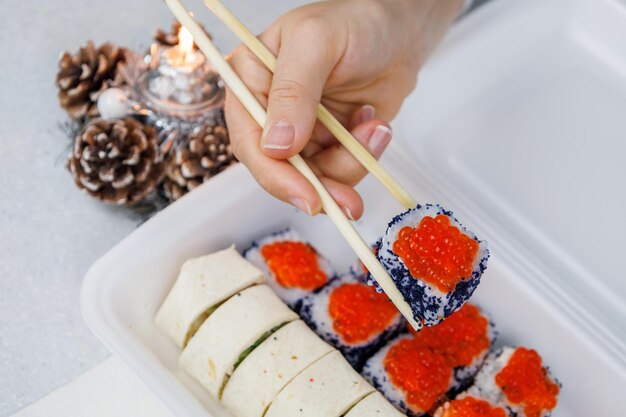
[{"x": 302, "y": 69}]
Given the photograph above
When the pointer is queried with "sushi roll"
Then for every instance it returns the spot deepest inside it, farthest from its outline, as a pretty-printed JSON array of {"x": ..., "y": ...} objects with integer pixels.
[
  {"x": 231, "y": 333},
  {"x": 279, "y": 359},
  {"x": 434, "y": 261},
  {"x": 293, "y": 267},
  {"x": 516, "y": 380},
  {"x": 353, "y": 317},
  {"x": 202, "y": 284},
  {"x": 469, "y": 407},
  {"x": 328, "y": 388},
  {"x": 464, "y": 339},
  {"x": 411, "y": 375},
  {"x": 374, "y": 405}
]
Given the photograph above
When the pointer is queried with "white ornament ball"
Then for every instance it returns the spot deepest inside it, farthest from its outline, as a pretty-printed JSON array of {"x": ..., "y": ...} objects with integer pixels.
[{"x": 113, "y": 104}]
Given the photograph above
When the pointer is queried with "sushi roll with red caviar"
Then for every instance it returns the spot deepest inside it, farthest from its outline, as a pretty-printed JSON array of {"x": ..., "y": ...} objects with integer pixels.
[
  {"x": 516, "y": 380},
  {"x": 419, "y": 370},
  {"x": 434, "y": 261},
  {"x": 464, "y": 340},
  {"x": 292, "y": 266},
  {"x": 353, "y": 317},
  {"x": 411, "y": 375},
  {"x": 469, "y": 407}
]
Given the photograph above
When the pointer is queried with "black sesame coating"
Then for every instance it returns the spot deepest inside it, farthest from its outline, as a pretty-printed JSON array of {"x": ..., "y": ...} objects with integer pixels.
[
  {"x": 356, "y": 355},
  {"x": 510, "y": 412},
  {"x": 297, "y": 306},
  {"x": 460, "y": 385},
  {"x": 426, "y": 308}
]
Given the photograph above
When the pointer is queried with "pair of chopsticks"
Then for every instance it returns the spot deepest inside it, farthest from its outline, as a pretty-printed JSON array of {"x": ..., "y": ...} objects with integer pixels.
[{"x": 330, "y": 206}]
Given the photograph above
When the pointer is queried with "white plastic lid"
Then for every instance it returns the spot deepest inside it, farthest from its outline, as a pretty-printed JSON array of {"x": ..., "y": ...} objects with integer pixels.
[{"x": 520, "y": 128}]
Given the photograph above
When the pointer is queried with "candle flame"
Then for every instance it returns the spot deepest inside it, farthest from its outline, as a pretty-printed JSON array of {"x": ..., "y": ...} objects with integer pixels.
[{"x": 185, "y": 41}]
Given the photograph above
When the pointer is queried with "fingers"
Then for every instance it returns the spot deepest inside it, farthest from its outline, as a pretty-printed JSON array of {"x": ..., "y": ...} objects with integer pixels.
[
  {"x": 361, "y": 115},
  {"x": 346, "y": 197},
  {"x": 337, "y": 163},
  {"x": 254, "y": 74},
  {"x": 296, "y": 89},
  {"x": 322, "y": 138},
  {"x": 277, "y": 177}
]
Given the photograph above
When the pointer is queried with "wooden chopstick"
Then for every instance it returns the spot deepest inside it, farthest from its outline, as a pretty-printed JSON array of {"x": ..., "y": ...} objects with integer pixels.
[
  {"x": 332, "y": 124},
  {"x": 239, "y": 89}
]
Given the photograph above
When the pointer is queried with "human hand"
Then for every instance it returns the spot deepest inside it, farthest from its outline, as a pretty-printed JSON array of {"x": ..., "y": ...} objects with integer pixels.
[{"x": 362, "y": 56}]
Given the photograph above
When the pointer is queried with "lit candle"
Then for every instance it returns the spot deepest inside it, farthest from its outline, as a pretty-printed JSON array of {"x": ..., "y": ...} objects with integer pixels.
[{"x": 183, "y": 56}]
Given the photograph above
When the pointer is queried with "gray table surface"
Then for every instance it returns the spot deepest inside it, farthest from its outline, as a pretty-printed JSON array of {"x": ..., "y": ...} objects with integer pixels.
[{"x": 50, "y": 233}]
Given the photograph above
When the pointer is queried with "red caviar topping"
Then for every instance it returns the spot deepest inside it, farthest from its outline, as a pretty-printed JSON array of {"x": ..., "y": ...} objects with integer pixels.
[
  {"x": 294, "y": 264},
  {"x": 471, "y": 407},
  {"x": 359, "y": 312},
  {"x": 524, "y": 381},
  {"x": 436, "y": 252},
  {"x": 420, "y": 372},
  {"x": 460, "y": 338}
]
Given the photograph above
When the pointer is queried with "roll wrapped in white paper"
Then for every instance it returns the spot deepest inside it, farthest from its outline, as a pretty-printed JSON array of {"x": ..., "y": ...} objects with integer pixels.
[
  {"x": 374, "y": 405},
  {"x": 230, "y": 333},
  {"x": 254, "y": 385},
  {"x": 202, "y": 284},
  {"x": 328, "y": 388}
]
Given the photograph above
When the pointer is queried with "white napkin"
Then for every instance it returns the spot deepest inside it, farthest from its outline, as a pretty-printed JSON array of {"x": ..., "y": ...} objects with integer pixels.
[{"x": 110, "y": 389}]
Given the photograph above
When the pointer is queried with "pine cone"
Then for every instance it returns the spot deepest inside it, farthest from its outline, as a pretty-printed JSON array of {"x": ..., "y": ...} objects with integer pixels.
[
  {"x": 205, "y": 153},
  {"x": 170, "y": 38},
  {"x": 84, "y": 75},
  {"x": 117, "y": 160}
]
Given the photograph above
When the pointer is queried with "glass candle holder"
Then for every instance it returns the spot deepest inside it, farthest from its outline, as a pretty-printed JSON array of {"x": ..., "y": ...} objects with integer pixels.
[{"x": 181, "y": 90}]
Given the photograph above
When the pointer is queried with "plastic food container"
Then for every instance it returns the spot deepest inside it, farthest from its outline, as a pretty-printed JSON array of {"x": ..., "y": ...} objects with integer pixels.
[{"x": 518, "y": 125}]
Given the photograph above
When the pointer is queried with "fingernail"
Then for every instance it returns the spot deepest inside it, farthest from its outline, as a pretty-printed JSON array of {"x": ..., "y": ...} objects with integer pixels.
[
  {"x": 348, "y": 213},
  {"x": 367, "y": 113},
  {"x": 280, "y": 136},
  {"x": 302, "y": 204},
  {"x": 380, "y": 139}
]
